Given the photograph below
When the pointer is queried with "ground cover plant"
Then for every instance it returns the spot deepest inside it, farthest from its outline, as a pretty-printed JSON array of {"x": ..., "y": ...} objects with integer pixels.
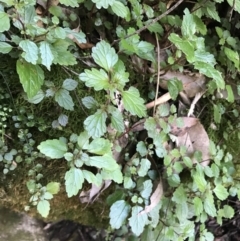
[{"x": 134, "y": 104}]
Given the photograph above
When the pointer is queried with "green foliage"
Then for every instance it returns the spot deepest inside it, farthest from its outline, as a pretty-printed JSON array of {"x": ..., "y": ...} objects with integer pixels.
[{"x": 163, "y": 188}]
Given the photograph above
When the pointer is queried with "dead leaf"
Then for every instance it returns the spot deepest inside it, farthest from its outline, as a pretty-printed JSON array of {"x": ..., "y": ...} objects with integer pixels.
[{"x": 154, "y": 199}]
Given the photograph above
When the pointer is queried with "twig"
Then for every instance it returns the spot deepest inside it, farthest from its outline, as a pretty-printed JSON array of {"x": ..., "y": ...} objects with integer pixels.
[
  {"x": 158, "y": 73},
  {"x": 164, "y": 98},
  {"x": 152, "y": 22}
]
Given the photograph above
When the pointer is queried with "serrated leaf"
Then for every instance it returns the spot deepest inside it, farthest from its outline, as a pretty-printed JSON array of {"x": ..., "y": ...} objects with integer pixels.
[
  {"x": 221, "y": 192},
  {"x": 104, "y": 55},
  {"x": 98, "y": 79},
  {"x": 89, "y": 102},
  {"x": 63, "y": 120},
  {"x": 4, "y": 22},
  {"x": 43, "y": 208},
  {"x": 216, "y": 114},
  {"x": 209, "y": 205},
  {"x": 90, "y": 177},
  {"x": 200, "y": 181},
  {"x": 133, "y": 102},
  {"x": 230, "y": 96},
  {"x": 187, "y": 161},
  {"x": 103, "y": 3},
  {"x": 228, "y": 211},
  {"x": 64, "y": 99},
  {"x": 200, "y": 26},
  {"x": 105, "y": 161},
  {"x": 96, "y": 124},
  {"x": 179, "y": 195},
  {"x": 141, "y": 148},
  {"x": 53, "y": 148},
  {"x": 71, "y": 3},
  {"x": 147, "y": 189},
  {"x": 83, "y": 140},
  {"x": 30, "y": 49},
  {"x": 31, "y": 77},
  {"x": 47, "y": 195},
  {"x": 117, "y": 121},
  {"x": 69, "y": 84},
  {"x": 182, "y": 211},
  {"x": 188, "y": 24},
  {"x": 233, "y": 56},
  {"x": 53, "y": 187},
  {"x": 137, "y": 221},
  {"x": 145, "y": 165},
  {"x": 174, "y": 87},
  {"x": 118, "y": 213},
  {"x": 100, "y": 146},
  {"x": 37, "y": 98},
  {"x": 127, "y": 182},
  {"x": 203, "y": 56},
  {"x": 115, "y": 175},
  {"x": 74, "y": 179},
  {"x": 119, "y": 9},
  {"x": 46, "y": 54},
  {"x": 5, "y": 47},
  {"x": 198, "y": 206}
]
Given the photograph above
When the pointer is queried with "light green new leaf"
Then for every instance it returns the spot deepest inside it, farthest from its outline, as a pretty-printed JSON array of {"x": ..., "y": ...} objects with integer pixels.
[
  {"x": 127, "y": 182},
  {"x": 105, "y": 161},
  {"x": 133, "y": 102},
  {"x": 104, "y": 55},
  {"x": 100, "y": 146},
  {"x": 230, "y": 96},
  {"x": 198, "y": 206},
  {"x": 141, "y": 148},
  {"x": 103, "y": 3},
  {"x": 203, "y": 56},
  {"x": 117, "y": 120},
  {"x": 46, "y": 54},
  {"x": 53, "y": 148},
  {"x": 98, "y": 79},
  {"x": 90, "y": 177},
  {"x": 115, "y": 175},
  {"x": 4, "y": 22},
  {"x": 137, "y": 220},
  {"x": 43, "y": 208},
  {"x": 200, "y": 181},
  {"x": 5, "y": 48},
  {"x": 182, "y": 211},
  {"x": 188, "y": 24},
  {"x": 69, "y": 84},
  {"x": 64, "y": 99},
  {"x": 53, "y": 187},
  {"x": 233, "y": 56},
  {"x": 228, "y": 211},
  {"x": 30, "y": 49},
  {"x": 96, "y": 124},
  {"x": 74, "y": 179},
  {"x": 145, "y": 165},
  {"x": 119, "y": 9},
  {"x": 71, "y": 3},
  {"x": 118, "y": 213},
  {"x": 31, "y": 77},
  {"x": 89, "y": 102},
  {"x": 47, "y": 195},
  {"x": 221, "y": 192},
  {"x": 83, "y": 140},
  {"x": 209, "y": 205},
  {"x": 179, "y": 196}
]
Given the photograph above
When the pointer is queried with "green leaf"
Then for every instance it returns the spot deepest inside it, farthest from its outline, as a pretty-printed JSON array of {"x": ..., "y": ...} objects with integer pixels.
[
  {"x": 71, "y": 3},
  {"x": 37, "y": 98},
  {"x": 31, "y": 77},
  {"x": 119, "y": 9},
  {"x": 230, "y": 96},
  {"x": 46, "y": 54},
  {"x": 209, "y": 205},
  {"x": 89, "y": 102},
  {"x": 147, "y": 189},
  {"x": 47, "y": 195},
  {"x": 115, "y": 175},
  {"x": 137, "y": 220},
  {"x": 200, "y": 181},
  {"x": 182, "y": 211},
  {"x": 96, "y": 124},
  {"x": 98, "y": 79},
  {"x": 104, "y": 55},
  {"x": 198, "y": 206},
  {"x": 187, "y": 161},
  {"x": 179, "y": 196},
  {"x": 100, "y": 146},
  {"x": 90, "y": 177},
  {"x": 133, "y": 102},
  {"x": 4, "y": 22},
  {"x": 83, "y": 140},
  {"x": 217, "y": 114},
  {"x": 174, "y": 87},
  {"x": 5, "y": 48},
  {"x": 105, "y": 161},
  {"x": 53, "y": 148},
  {"x": 145, "y": 165},
  {"x": 221, "y": 192},
  {"x": 117, "y": 120},
  {"x": 43, "y": 208},
  {"x": 127, "y": 182},
  {"x": 233, "y": 56},
  {"x": 228, "y": 211},
  {"x": 103, "y": 3},
  {"x": 118, "y": 213},
  {"x": 30, "y": 49},
  {"x": 203, "y": 56},
  {"x": 74, "y": 179},
  {"x": 188, "y": 24},
  {"x": 53, "y": 187},
  {"x": 69, "y": 84},
  {"x": 64, "y": 99},
  {"x": 200, "y": 26},
  {"x": 141, "y": 148}
]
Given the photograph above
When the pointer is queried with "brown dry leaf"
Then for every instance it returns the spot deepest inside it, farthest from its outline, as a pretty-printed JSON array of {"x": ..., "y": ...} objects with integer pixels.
[
  {"x": 195, "y": 139},
  {"x": 154, "y": 199}
]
